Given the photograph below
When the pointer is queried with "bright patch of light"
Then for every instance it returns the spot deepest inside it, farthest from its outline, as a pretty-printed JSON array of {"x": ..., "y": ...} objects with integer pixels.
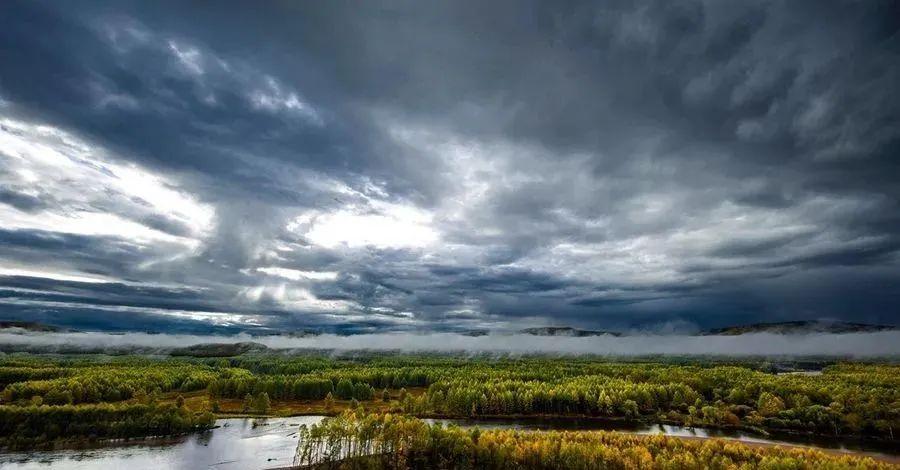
[
  {"x": 297, "y": 299},
  {"x": 90, "y": 194},
  {"x": 354, "y": 230},
  {"x": 55, "y": 275},
  {"x": 85, "y": 223},
  {"x": 382, "y": 225},
  {"x": 297, "y": 275},
  {"x": 137, "y": 182}
]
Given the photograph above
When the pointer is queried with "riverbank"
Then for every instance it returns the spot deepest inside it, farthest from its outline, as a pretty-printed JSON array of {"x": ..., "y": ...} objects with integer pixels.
[
  {"x": 420, "y": 444},
  {"x": 881, "y": 450},
  {"x": 200, "y": 401},
  {"x": 232, "y": 408},
  {"x": 576, "y": 422}
]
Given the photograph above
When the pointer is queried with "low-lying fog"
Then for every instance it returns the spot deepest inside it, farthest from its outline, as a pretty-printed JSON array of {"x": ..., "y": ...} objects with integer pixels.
[{"x": 859, "y": 345}]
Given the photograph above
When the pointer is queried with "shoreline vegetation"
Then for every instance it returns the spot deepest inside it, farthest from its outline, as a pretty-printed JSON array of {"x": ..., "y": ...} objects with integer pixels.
[
  {"x": 345, "y": 406},
  {"x": 356, "y": 439},
  {"x": 52, "y": 400},
  {"x": 23, "y": 427}
]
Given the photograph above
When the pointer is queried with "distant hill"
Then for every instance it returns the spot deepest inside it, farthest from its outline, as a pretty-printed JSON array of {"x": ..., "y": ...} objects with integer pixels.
[
  {"x": 799, "y": 327},
  {"x": 30, "y": 326},
  {"x": 218, "y": 349},
  {"x": 475, "y": 332},
  {"x": 784, "y": 328},
  {"x": 565, "y": 331}
]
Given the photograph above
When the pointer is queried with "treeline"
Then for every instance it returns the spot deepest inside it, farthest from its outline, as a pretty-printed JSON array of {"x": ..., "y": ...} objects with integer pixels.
[
  {"x": 10, "y": 375},
  {"x": 25, "y": 426},
  {"x": 346, "y": 385},
  {"x": 292, "y": 388},
  {"x": 358, "y": 440},
  {"x": 110, "y": 384}
]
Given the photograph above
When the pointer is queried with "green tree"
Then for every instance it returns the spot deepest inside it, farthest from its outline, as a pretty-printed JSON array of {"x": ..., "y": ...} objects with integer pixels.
[
  {"x": 261, "y": 403},
  {"x": 630, "y": 408},
  {"x": 344, "y": 389},
  {"x": 769, "y": 404}
]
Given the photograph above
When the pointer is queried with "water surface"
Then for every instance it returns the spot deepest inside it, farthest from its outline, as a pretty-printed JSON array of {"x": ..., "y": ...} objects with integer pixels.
[{"x": 235, "y": 445}]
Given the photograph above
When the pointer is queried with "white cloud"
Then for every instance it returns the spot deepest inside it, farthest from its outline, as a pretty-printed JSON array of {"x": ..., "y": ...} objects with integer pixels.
[
  {"x": 297, "y": 275},
  {"x": 298, "y": 299},
  {"x": 273, "y": 97},
  {"x": 90, "y": 194},
  {"x": 378, "y": 224},
  {"x": 56, "y": 275},
  {"x": 189, "y": 57}
]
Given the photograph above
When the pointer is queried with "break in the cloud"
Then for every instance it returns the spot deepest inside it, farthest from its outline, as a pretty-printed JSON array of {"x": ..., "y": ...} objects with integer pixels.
[{"x": 437, "y": 166}]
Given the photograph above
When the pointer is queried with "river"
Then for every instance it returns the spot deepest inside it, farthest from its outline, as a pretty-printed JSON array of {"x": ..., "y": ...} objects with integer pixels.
[{"x": 240, "y": 443}]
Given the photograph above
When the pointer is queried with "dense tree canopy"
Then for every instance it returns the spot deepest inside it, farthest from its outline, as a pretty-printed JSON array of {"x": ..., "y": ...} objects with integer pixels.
[{"x": 844, "y": 399}]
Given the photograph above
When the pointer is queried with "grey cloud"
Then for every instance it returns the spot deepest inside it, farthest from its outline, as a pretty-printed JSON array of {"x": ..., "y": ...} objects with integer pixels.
[
  {"x": 21, "y": 201},
  {"x": 598, "y": 164}
]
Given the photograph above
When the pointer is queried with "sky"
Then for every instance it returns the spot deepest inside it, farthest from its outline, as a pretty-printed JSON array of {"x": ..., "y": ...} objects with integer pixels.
[{"x": 370, "y": 167}]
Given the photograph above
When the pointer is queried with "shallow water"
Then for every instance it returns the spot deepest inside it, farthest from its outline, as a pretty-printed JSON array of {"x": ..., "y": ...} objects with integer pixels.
[{"x": 238, "y": 444}]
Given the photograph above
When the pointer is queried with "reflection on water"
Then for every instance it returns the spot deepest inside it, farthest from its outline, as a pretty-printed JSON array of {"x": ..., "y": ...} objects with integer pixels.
[
  {"x": 239, "y": 444},
  {"x": 236, "y": 444}
]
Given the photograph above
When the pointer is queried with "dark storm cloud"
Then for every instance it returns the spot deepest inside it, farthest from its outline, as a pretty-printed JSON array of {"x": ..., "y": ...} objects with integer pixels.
[{"x": 445, "y": 166}]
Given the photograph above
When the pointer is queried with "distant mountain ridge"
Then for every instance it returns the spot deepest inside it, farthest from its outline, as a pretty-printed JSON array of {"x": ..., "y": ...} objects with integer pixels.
[
  {"x": 219, "y": 349},
  {"x": 786, "y": 328},
  {"x": 30, "y": 326},
  {"x": 799, "y": 327},
  {"x": 566, "y": 331}
]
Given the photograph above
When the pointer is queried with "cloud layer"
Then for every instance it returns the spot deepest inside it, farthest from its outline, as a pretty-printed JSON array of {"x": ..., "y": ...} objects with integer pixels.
[
  {"x": 851, "y": 345},
  {"x": 437, "y": 167}
]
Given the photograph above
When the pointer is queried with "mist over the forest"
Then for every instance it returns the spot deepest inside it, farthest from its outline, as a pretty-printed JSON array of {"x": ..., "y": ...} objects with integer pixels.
[{"x": 855, "y": 345}]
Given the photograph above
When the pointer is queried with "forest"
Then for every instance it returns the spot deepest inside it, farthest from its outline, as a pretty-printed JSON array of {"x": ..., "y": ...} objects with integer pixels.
[
  {"x": 47, "y": 397},
  {"x": 356, "y": 439}
]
